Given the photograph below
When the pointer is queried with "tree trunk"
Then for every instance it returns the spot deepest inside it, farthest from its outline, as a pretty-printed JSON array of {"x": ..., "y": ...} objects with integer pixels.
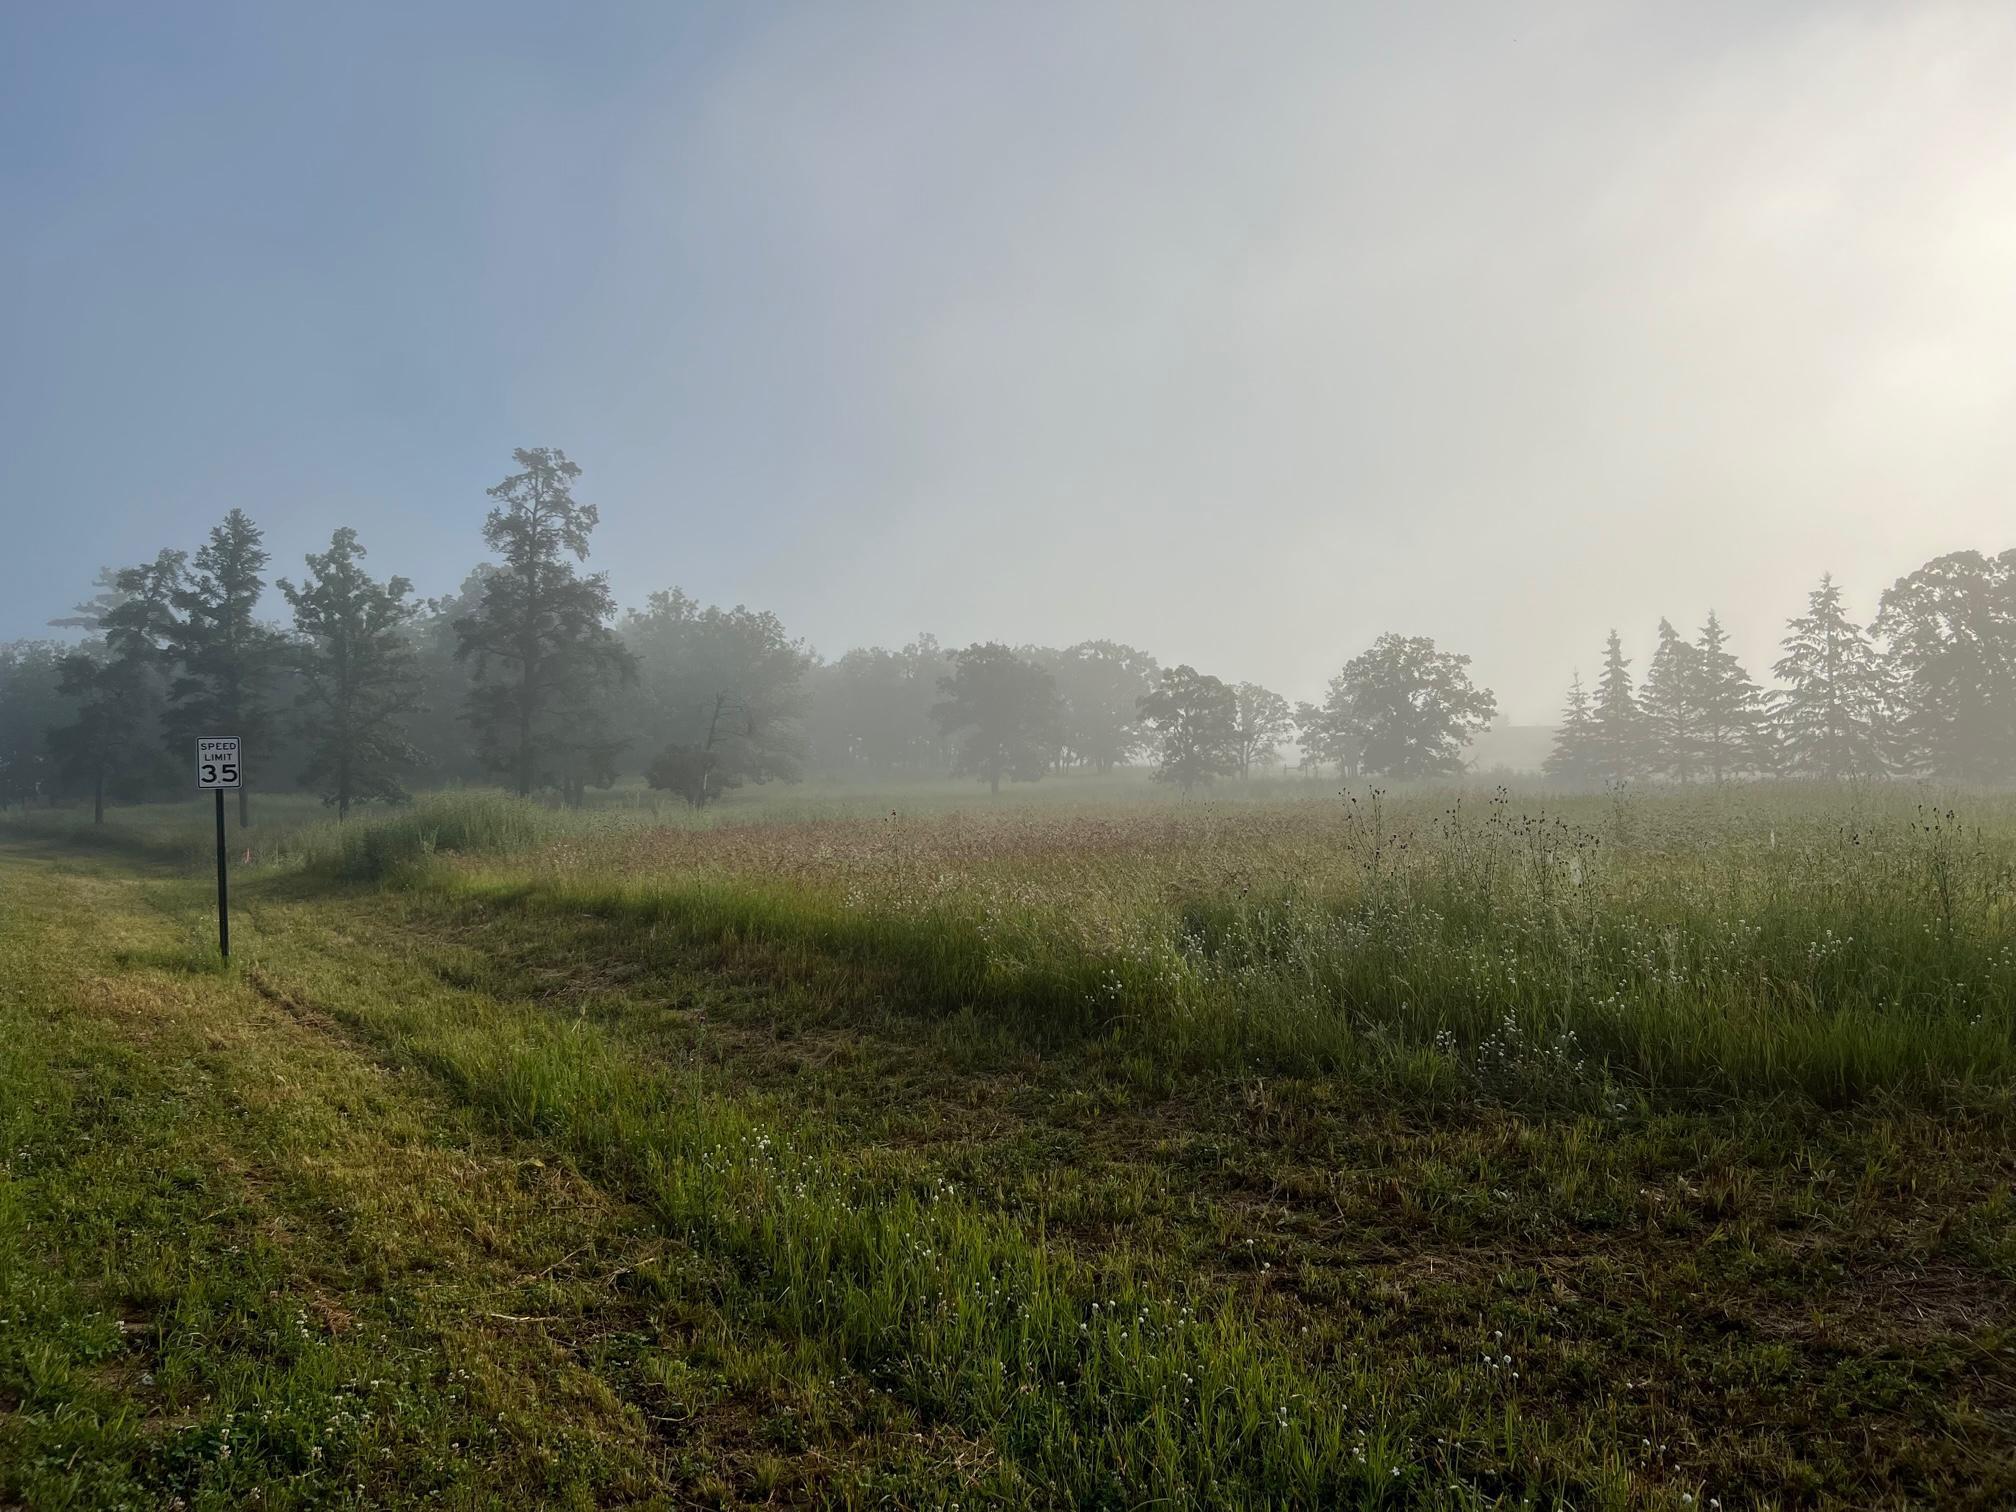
[{"x": 98, "y": 798}]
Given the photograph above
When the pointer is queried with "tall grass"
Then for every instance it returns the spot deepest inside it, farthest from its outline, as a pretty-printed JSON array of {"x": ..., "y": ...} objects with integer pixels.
[
  {"x": 1749, "y": 942},
  {"x": 1101, "y": 1392}
]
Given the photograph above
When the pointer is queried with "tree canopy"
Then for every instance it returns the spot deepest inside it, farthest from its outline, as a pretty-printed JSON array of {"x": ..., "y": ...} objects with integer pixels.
[{"x": 1004, "y": 711}]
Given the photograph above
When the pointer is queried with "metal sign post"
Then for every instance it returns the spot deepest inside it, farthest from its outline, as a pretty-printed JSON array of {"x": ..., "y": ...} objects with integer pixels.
[{"x": 217, "y": 769}]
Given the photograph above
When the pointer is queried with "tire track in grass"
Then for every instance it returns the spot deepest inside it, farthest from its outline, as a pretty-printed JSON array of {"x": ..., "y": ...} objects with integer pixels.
[
  {"x": 1096, "y": 1391},
  {"x": 240, "y": 1262}
]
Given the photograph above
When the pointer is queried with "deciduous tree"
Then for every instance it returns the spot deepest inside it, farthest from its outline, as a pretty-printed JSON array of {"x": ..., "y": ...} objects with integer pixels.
[
  {"x": 1004, "y": 711},
  {"x": 1951, "y": 629},
  {"x": 1102, "y": 683},
  {"x": 730, "y": 682},
  {"x": 1195, "y": 718},
  {"x": 119, "y": 682},
  {"x": 1260, "y": 721},
  {"x": 1410, "y": 708}
]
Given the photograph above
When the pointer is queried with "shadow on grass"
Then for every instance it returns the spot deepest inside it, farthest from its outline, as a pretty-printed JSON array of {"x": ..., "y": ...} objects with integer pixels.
[{"x": 187, "y": 959}]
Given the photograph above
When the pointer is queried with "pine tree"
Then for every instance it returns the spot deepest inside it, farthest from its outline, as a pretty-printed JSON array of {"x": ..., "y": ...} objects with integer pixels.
[
  {"x": 93, "y": 612},
  {"x": 1671, "y": 709},
  {"x": 360, "y": 682},
  {"x": 1732, "y": 725},
  {"x": 228, "y": 660},
  {"x": 1833, "y": 719},
  {"x": 1618, "y": 744},
  {"x": 1573, "y": 759},
  {"x": 540, "y": 634}
]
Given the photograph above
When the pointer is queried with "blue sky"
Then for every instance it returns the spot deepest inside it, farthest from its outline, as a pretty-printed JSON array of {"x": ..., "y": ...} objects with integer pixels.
[{"x": 1241, "y": 332}]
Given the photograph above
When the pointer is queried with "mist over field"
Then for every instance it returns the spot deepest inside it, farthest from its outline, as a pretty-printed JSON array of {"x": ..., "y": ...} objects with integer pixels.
[
  {"x": 1243, "y": 335},
  {"x": 1009, "y": 755}
]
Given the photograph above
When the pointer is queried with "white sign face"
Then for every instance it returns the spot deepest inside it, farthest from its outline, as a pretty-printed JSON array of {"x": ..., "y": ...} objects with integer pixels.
[{"x": 217, "y": 761}]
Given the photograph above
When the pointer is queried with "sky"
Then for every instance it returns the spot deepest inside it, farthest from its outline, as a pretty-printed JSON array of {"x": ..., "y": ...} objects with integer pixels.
[{"x": 1243, "y": 333}]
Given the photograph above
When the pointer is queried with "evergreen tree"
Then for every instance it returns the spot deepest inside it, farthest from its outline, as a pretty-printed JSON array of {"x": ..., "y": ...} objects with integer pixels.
[
  {"x": 1732, "y": 727},
  {"x": 228, "y": 660},
  {"x": 1670, "y": 707},
  {"x": 540, "y": 636},
  {"x": 1573, "y": 760},
  {"x": 1833, "y": 717},
  {"x": 1951, "y": 628},
  {"x": 1005, "y": 712},
  {"x": 1261, "y": 719},
  {"x": 1195, "y": 718},
  {"x": 119, "y": 684},
  {"x": 1617, "y": 744},
  {"x": 359, "y": 679},
  {"x": 92, "y": 613}
]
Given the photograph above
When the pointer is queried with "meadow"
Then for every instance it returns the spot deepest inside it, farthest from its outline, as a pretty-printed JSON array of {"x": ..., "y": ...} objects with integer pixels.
[{"x": 1287, "y": 1146}]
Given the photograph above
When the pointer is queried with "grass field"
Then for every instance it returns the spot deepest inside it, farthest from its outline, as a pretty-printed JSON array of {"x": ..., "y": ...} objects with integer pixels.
[{"x": 1091, "y": 1148}]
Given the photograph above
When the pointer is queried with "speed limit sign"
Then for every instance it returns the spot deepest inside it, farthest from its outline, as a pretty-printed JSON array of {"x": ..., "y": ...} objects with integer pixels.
[{"x": 217, "y": 761}]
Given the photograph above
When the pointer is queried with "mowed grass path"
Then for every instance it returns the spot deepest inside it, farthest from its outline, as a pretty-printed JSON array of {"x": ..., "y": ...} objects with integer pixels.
[{"x": 434, "y": 1195}]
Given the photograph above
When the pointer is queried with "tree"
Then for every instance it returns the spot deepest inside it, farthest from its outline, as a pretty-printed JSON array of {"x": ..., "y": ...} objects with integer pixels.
[
  {"x": 1260, "y": 720},
  {"x": 1005, "y": 710},
  {"x": 1617, "y": 736},
  {"x": 539, "y": 636},
  {"x": 93, "y": 612},
  {"x": 1102, "y": 683},
  {"x": 870, "y": 711},
  {"x": 729, "y": 682},
  {"x": 228, "y": 660},
  {"x": 1732, "y": 727},
  {"x": 1195, "y": 718},
  {"x": 360, "y": 682},
  {"x": 118, "y": 682},
  {"x": 33, "y": 697},
  {"x": 444, "y": 741},
  {"x": 1834, "y": 716},
  {"x": 1323, "y": 738},
  {"x": 1669, "y": 707},
  {"x": 1951, "y": 628},
  {"x": 1574, "y": 759},
  {"x": 1410, "y": 708},
  {"x": 685, "y": 769}
]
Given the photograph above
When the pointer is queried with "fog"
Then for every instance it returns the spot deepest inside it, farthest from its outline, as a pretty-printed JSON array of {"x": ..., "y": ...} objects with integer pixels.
[{"x": 1243, "y": 334}]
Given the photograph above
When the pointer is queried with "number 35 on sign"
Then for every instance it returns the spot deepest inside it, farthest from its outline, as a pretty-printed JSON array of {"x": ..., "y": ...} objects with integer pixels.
[{"x": 217, "y": 761}]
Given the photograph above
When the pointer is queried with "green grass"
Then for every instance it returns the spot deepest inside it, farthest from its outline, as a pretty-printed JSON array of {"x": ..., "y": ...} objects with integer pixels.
[{"x": 1114, "y": 1152}]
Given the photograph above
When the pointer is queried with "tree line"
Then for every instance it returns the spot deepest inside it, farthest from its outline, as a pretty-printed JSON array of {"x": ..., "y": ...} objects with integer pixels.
[
  {"x": 529, "y": 675},
  {"x": 1927, "y": 688}
]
